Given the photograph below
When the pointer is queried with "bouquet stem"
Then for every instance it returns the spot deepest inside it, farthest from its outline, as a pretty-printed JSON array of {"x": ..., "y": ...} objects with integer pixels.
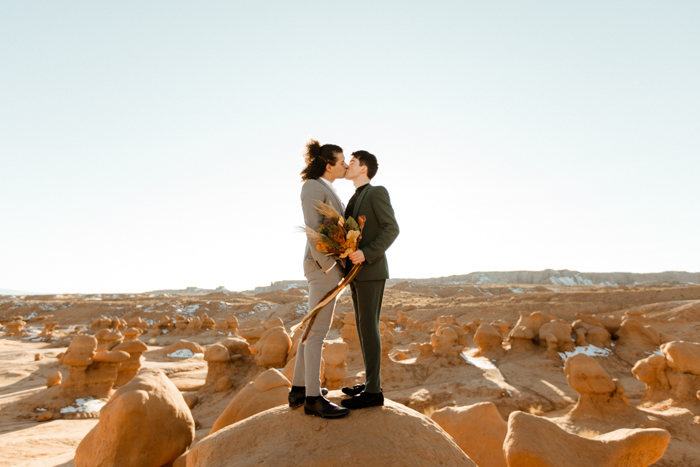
[{"x": 311, "y": 316}]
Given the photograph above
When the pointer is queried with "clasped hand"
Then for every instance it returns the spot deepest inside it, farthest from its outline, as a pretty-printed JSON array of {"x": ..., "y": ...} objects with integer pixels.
[{"x": 357, "y": 257}]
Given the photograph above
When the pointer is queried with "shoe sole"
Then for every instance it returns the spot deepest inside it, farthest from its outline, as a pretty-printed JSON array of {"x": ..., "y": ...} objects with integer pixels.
[
  {"x": 363, "y": 407},
  {"x": 295, "y": 406},
  {"x": 326, "y": 416}
]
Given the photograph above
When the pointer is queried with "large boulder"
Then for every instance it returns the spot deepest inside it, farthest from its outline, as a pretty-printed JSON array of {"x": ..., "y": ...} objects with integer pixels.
[
  {"x": 146, "y": 423},
  {"x": 537, "y": 442},
  {"x": 478, "y": 429},
  {"x": 392, "y": 435},
  {"x": 268, "y": 390},
  {"x": 599, "y": 396}
]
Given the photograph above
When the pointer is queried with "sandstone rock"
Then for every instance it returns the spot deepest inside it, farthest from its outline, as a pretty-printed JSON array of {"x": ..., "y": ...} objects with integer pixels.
[
  {"x": 268, "y": 390},
  {"x": 108, "y": 340},
  {"x": 521, "y": 338},
  {"x": 237, "y": 346},
  {"x": 223, "y": 384},
  {"x": 272, "y": 348},
  {"x": 501, "y": 326},
  {"x": 488, "y": 339},
  {"x": 191, "y": 400},
  {"x": 387, "y": 341},
  {"x": 128, "y": 368},
  {"x": 533, "y": 321},
  {"x": 44, "y": 416},
  {"x": 111, "y": 356},
  {"x": 561, "y": 331},
  {"x": 600, "y": 396},
  {"x": 132, "y": 333},
  {"x": 334, "y": 354},
  {"x": 15, "y": 327},
  {"x": 679, "y": 382},
  {"x": 536, "y": 441},
  {"x": 184, "y": 345},
  {"x": 54, "y": 379},
  {"x": 80, "y": 352},
  {"x": 445, "y": 341},
  {"x": 634, "y": 334},
  {"x": 349, "y": 332},
  {"x": 391, "y": 436},
  {"x": 683, "y": 357},
  {"x": 478, "y": 430},
  {"x": 598, "y": 336},
  {"x": 128, "y": 425},
  {"x": 49, "y": 331},
  {"x": 217, "y": 353},
  {"x": 38, "y": 356}
]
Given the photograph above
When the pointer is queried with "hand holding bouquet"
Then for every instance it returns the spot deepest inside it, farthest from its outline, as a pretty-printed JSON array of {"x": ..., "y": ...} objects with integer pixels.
[{"x": 335, "y": 237}]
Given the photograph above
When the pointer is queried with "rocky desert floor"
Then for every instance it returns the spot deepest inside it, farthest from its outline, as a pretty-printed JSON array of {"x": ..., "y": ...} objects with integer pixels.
[{"x": 492, "y": 363}]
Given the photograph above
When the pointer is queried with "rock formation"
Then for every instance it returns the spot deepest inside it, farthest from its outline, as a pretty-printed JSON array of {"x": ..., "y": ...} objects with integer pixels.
[
  {"x": 268, "y": 390},
  {"x": 600, "y": 396},
  {"x": 146, "y": 423},
  {"x": 349, "y": 332},
  {"x": 49, "y": 331},
  {"x": 230, "y": 360},
  {"x": 182, "y": 344},
  {"x": 633, "y": 333},
  {"x": 673, "y": 374},
  {"x": 521, "y": 338},
  {"x": 558, "y": 333},
  {"x": 334, "y": 355},
  {"x": 15, "y": 327},
  {"x": 393, "y": 435},
  {"x": 489, "y": 340},
  {"x": 108, "y": 339},
  {"x": 478, "y": 430},
  {"x": 536, "y": 441},
  {"x": 92, "y": 373},
  {"x": 533, "y": 321},
  {"x": 447, "y": 342},
  {"x": 129, "y": 367},
  {"x": 272, "y": 348}
]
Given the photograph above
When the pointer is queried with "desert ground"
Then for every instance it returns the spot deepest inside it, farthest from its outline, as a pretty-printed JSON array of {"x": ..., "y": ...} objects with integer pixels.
[{"x": 487, "y": 374}]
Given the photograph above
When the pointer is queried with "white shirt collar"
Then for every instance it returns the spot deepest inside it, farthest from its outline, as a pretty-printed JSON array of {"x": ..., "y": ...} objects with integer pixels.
[{"x": 329, "y": 184}]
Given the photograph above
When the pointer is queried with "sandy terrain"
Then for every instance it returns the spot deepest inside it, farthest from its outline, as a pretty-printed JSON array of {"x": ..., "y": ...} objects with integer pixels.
[{"x": 530, "y": 380}]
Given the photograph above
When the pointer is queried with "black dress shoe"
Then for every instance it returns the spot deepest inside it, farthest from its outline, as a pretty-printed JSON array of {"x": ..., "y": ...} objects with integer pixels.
[
  {"x": 298, "y": 393},
  {"x": 321, "y": 407},
  {"x": 296, "y": 397},
  {"x": 364, "y": 400},
  {"x": 355, "y": 390}
]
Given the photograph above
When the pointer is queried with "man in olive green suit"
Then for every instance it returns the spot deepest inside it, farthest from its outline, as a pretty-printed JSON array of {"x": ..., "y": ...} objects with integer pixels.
[{"x": 367, "y": 289}]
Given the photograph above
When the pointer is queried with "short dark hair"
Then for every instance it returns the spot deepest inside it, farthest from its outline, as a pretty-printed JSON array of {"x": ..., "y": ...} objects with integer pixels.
[
  {"x": 317, "y": 157},
  {"x": 368, "y": 160}
]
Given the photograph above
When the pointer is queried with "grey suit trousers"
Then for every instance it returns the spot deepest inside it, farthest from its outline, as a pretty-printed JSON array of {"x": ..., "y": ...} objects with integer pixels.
[{"x": 307, "y": 369}]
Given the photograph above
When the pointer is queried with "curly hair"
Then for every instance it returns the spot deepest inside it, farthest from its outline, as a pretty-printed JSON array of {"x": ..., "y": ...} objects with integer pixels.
[{"x": 317, "y": 157}]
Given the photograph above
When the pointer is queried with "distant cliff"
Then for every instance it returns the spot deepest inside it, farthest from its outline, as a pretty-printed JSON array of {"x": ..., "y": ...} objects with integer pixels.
[{"x": 563, "y": 277}]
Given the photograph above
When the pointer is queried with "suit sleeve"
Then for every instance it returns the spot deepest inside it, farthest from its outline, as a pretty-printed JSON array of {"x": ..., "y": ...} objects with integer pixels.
[
  {"x": 311, "y": 193},
  {"x": 381, "y": 204}
]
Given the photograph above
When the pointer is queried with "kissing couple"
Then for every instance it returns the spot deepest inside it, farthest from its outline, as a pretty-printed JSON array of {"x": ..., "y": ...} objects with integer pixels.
[{"x": 324, "y": 165}]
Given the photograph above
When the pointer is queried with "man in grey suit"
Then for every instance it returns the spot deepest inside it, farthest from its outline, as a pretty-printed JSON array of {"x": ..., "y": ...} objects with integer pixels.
[{"x": 324, "y": 164}]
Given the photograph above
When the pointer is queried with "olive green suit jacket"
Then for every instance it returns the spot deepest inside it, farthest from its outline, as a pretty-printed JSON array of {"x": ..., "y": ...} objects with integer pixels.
[{"x": 379, "y": 232}]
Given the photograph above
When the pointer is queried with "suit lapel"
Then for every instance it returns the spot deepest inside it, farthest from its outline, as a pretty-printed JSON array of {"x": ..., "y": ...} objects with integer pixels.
[
  {"x": 358, "y": 203},
  {"x": 335, "y": 197}
]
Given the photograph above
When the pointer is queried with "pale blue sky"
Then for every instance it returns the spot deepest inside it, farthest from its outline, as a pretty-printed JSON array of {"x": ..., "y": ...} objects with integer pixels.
[{"x": 148, "y": 145}]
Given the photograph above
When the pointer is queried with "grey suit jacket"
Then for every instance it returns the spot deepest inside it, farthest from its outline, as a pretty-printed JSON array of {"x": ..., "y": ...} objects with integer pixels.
[{"x": 311, "y": 192}]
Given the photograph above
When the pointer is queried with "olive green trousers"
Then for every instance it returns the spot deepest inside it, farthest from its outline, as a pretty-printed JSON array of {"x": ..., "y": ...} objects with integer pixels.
[{"x": 367, "y": 301}]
